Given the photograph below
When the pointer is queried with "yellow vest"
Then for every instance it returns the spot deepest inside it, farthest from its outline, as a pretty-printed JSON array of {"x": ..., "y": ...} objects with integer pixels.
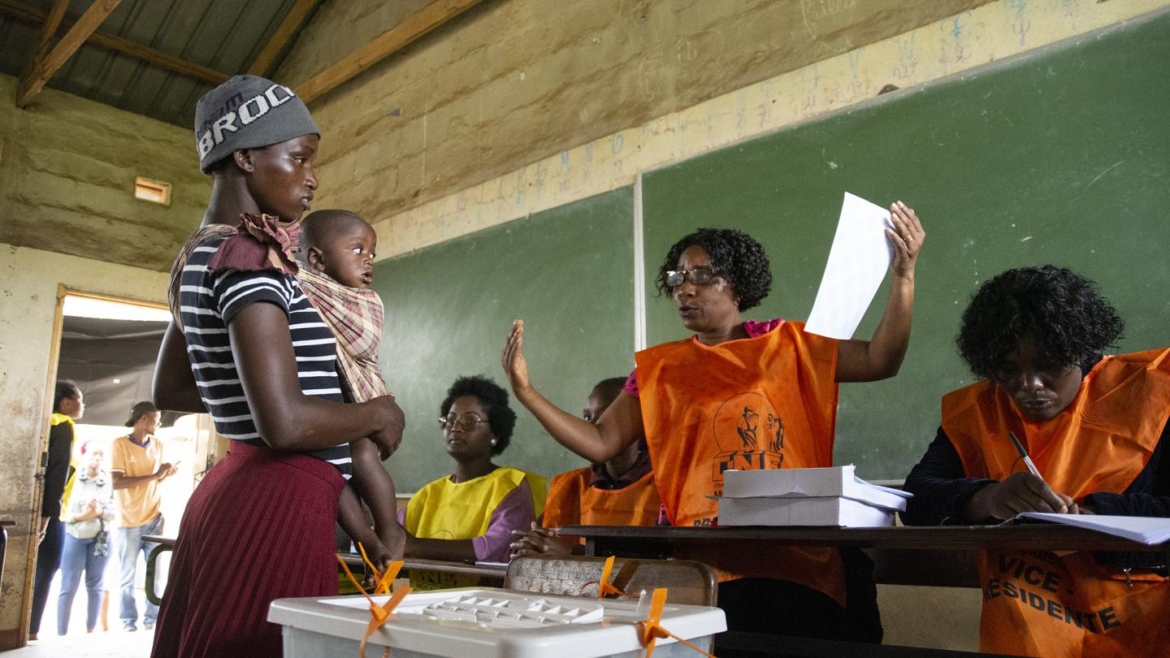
[{"x": 447, "y": 510}]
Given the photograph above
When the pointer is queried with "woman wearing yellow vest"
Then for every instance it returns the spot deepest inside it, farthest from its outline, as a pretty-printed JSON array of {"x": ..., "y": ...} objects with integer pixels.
[
  {"x": 743, "y": 395},
  {"x": 1094, "y": 427},
  {"x": 619, "y": 491},
  {"x": 470, "y": 515}
]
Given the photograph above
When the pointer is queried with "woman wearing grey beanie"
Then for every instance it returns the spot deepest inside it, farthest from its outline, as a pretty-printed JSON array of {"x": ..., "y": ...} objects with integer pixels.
[{"x": 248, "y": 348}]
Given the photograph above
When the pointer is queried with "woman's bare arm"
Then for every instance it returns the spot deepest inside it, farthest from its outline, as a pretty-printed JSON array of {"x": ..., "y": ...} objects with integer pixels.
[
  {"x": 285, "y": 417},
  {"x": 619, "y": 426},
  {"x": 881, "y": 356},
  {"x": 174, "y": 386}
]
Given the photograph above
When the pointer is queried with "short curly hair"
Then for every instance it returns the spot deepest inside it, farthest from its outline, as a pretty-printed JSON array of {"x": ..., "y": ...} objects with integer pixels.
[
  {"x": 66, "y": 390},
  {"x": 735, "y": 256},
  {"x": 501, "y": 418},
  {"x": 1059, "y": 311}
]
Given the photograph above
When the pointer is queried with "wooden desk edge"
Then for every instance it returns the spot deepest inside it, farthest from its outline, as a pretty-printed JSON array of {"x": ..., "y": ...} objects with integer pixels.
[
  {"x": 1026, "y": 536},
  {"x": 487, "y": 571}
]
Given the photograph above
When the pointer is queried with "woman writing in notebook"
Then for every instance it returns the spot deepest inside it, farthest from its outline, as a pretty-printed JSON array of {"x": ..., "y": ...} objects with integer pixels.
[
  {"x": 743, "y": 394},
  {"x": 1093, "y": 426}
]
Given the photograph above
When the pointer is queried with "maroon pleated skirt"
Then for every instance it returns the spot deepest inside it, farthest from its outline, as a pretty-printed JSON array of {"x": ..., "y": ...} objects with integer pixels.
[{"x": 259, "y": 527}]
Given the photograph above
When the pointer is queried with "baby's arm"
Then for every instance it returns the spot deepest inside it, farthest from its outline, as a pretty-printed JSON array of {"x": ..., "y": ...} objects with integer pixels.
[
  {"x": 376, "y": 488},
  {"x": 353, "y": 521}
]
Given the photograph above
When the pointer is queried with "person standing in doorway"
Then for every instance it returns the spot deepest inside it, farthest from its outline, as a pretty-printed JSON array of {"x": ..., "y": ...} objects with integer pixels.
[
  {"x": 137, "y": 469},
  {"x": 68, "y": 406}
]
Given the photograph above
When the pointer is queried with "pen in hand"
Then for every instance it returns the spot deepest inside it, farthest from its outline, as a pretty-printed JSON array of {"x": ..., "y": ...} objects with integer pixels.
[
  {"x": 1024, "y": 455},
  {"x": 1067, "y": 505}
]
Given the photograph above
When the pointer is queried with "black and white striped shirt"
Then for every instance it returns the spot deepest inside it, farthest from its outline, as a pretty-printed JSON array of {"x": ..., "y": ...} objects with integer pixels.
[{"x": 207, "y": 304}]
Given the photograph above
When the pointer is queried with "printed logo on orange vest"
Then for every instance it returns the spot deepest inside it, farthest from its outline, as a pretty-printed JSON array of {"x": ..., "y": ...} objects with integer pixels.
[{"x": 750, "y": 435}]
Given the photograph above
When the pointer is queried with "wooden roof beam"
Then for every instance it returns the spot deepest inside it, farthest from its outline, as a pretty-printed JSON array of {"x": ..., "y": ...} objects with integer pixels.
[
  {"x": 396, "y": 38},
  {"x": 48, "y": 31},
  {"x": 123, "y": 46},
  {"x": 284, "y": 33},
  {"x": 46, "y": 66}
]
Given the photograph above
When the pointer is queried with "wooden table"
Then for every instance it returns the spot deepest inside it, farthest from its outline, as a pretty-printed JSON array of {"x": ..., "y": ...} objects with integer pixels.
[
  {"x": 933, "y": 556},
  {"x": 492, "y": 574},
  {"x": 905, "y": 555}
]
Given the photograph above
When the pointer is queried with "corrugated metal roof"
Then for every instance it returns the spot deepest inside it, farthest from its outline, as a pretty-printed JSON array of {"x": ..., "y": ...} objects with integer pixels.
[{"x": 224, "y": 35}]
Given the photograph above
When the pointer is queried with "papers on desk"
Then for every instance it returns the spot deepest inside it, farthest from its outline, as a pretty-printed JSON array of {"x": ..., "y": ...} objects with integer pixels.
[
  {"x": 807, "y": 496},
  {"x": 858, "y": 260},
  {"x": 1150, "y": 530}
]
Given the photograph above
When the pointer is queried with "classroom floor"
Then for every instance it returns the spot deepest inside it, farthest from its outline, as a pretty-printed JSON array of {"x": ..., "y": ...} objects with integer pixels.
[
  {"x": 114, "y": 643},
  {"x": 111, "y": 644}
]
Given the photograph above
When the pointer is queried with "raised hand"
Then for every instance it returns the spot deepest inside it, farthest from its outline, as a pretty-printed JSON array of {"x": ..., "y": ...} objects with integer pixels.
[
  {"x": 515, "y": 365},
  {"x": 907, "y": 236}
]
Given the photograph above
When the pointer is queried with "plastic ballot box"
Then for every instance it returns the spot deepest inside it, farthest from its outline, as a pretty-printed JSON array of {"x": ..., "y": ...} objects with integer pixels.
[{"x": 489, "y": 623}]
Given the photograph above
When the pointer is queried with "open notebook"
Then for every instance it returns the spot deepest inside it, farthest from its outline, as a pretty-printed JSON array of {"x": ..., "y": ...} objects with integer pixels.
[{"x": 1151, "y": 530}]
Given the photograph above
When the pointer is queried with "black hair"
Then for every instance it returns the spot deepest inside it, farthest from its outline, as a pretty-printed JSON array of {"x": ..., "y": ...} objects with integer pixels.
[
  {"x": 66, "y": 390},
  {"x": 735, "y": 256},
  {"x": 611, "y": 385},
  {"x": 501, "y": 418},
  {"x": 1059, "y": 311},
  {"x": 320, "y": 226}
]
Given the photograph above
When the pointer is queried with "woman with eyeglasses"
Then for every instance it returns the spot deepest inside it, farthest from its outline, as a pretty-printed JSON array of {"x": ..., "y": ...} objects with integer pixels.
[
  {"x": 1093, "y": 428},
  {"x": 741, "y": 394},
  {"x": 470, "y": 514}
]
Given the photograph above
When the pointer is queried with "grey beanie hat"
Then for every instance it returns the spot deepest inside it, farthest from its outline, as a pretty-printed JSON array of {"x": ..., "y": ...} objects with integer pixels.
[{"x": 247, "y": 112}]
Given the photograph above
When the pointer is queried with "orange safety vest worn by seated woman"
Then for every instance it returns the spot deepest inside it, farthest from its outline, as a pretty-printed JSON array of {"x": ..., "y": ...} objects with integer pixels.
[
  {"x": 571, "y": 501},
  {"x": 753, "y": 403},
  {"x": 1039, "y": 604}
]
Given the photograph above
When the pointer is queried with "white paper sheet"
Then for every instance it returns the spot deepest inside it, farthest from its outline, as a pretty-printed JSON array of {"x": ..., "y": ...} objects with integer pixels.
[
  {"x": 858, "y": 261},
  {"x": 1144, "y": 529}
]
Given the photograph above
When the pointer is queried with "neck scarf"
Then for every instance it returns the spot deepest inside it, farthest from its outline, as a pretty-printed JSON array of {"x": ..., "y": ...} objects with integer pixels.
[{"x": 255, "y": 244}]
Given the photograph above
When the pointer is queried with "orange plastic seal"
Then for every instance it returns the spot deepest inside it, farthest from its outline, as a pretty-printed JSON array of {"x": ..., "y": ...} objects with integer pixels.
[
  {"x": 379, "y": 614},
  {"x": 650, "y": 629}
]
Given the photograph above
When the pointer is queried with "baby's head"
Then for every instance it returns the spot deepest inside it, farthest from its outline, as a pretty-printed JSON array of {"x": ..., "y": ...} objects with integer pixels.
[{"x": 341, "y": 245}]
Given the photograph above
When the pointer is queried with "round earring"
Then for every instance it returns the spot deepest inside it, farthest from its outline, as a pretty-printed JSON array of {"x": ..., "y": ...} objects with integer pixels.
[{"x": 493, "y": 442}]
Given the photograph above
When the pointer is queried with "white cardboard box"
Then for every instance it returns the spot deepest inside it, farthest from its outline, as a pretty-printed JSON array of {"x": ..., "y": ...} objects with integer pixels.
[
  {"x": 810, "y": 511},
  {"x": 488, "y": 623},
  {"x": 840, "y": 481}
]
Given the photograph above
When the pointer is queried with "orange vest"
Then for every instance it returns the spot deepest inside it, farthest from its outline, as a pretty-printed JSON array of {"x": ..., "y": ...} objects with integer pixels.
[
  {"x": 764, "y": 402},
  {"x": 1039, "y": 604},
  {"x": 571, "y": 501}
]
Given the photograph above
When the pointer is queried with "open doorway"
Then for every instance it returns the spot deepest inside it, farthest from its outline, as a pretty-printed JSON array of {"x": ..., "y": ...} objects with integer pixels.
[{"x": 108, "y": 348}]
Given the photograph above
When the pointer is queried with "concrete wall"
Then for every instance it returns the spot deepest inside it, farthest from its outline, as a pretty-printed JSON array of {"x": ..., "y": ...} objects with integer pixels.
[
  {"x": 514, "y": 81},
  {"x": 67, "y": 180},
  {"x": 28, "y": 302},
  {"x": 451, "y": 136},
  {"x": 68, "y": 216}
]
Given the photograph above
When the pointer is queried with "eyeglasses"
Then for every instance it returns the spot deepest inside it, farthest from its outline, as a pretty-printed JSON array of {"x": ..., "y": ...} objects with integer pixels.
[
  {"x": 466, "y": 423},
  {"x": 700, "y": 276}
]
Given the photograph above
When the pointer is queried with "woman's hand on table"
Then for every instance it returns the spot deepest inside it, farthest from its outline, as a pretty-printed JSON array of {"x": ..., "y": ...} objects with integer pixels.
[{"x": 538, "y": 541}]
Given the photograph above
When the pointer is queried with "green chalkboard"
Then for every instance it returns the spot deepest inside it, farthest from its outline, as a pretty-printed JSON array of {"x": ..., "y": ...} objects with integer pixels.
[
  {"x": 568, "y": 272},
  {"x": 1059, "y": 156}
]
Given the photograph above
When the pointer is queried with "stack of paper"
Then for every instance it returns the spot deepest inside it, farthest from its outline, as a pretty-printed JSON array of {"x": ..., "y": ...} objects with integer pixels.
[
  {"x": 807, "y": 496},
  {"x": 1151, "y": 530}
]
